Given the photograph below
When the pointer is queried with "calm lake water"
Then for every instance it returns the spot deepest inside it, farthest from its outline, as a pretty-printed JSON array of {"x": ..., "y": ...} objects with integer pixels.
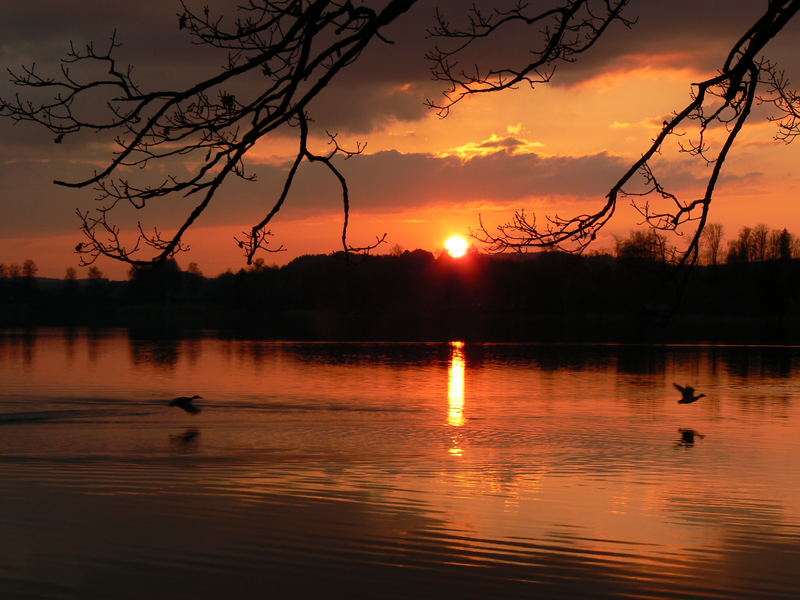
[{"x": 395, "y": 470}]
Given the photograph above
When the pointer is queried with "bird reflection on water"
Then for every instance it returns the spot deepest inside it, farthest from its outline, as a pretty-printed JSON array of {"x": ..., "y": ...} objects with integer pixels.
[
  {"x": 185, "y": 441},
  {"x": 534, "y": 495},
  {"x": 688, "y": 437}
]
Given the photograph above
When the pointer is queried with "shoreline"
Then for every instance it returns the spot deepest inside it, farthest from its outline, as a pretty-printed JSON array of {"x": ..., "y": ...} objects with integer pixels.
[{"x": 323, "y": 325}]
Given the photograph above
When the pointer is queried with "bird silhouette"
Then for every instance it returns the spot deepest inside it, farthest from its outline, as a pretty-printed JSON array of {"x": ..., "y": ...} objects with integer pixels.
[
  {"x": 185, "y": 402},
  {"x": 687, "y": 394}
]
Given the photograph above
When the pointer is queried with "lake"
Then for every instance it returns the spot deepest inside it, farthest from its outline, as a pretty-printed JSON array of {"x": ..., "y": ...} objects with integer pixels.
[{"x": 369, "y": 470}]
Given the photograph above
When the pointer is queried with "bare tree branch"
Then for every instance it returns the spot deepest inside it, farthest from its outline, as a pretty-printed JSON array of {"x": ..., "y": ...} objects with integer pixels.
[
  {"x": 280, "y": 54},
  {"x": 292, "y": 48},
  {"x": 567, "y": 30},
  {"x": 720, "y": 104}
]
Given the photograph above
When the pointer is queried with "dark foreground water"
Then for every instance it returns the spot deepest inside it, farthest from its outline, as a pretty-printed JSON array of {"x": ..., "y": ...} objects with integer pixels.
[{"x": 395, "y": 470}]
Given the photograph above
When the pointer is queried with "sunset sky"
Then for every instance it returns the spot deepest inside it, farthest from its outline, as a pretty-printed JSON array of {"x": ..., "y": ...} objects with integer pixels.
[{"x": 555, "y": 149}]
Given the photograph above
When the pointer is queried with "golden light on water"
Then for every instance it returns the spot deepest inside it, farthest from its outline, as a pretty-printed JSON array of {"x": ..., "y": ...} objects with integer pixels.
[
  {"x": 455, "y": 385},
  {"x": 456, "y": 247}
]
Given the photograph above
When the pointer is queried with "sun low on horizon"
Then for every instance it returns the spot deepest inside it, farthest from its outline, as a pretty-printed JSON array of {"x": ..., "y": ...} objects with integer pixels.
[{"x": 456, "y": 246}]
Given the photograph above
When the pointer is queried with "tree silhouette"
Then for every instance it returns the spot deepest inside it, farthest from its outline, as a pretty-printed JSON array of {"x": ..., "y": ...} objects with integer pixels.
[
  {"x": 29, "y": 269},
  {"x": 293, "y": 49},
  {"x": 69, "y": 289},
  {"x": 644, "y": 246},
  {"x": 760, "y": 244},
  {"x": 712, "y": 243},
  {"x": 740, "y": 250},
  {"x": 784, "y": 245}
]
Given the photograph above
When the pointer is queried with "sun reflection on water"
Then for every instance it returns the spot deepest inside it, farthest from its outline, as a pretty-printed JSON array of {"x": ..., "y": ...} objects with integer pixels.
[
  {"x": 455, "y": 385},
  {"x": 614, "y": 490}
]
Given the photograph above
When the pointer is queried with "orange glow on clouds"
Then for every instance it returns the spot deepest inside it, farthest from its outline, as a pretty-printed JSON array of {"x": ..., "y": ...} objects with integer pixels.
[{"x": 626, "y": 106}]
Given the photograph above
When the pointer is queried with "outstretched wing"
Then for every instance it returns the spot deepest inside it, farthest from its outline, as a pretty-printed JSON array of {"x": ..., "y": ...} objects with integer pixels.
[{"x": 680, "y": 388}]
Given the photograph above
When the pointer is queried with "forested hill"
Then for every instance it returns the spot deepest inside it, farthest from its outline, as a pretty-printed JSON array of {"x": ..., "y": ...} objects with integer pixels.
[{"x": 415, "y": 295}]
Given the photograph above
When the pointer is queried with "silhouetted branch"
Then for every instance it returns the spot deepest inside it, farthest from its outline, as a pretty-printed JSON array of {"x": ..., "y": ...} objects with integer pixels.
[
  {"x": 784, "y": 98},
  {"x": 567, "y": 30},
  {"x": 280, "y": 54},
  {"x": 719, "y": 104},
  {"x": 291, "y": 49}
]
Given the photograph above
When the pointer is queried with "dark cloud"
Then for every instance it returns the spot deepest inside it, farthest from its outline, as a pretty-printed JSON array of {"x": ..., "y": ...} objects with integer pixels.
[
  {"x": 364, "y": 107},
  {"x": 396, "y": 180},
  {"x": 389, "y": 81},
  {"x": 29, "y": 202},
  {"x": 391, "y": 181},
  {"x": 681, "y": 32},
  {"x": 382, "y": 182},
  {"x": 40, "y": 32}
]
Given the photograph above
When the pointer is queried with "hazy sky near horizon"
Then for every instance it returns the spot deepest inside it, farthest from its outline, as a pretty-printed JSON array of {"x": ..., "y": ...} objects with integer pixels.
[{"x": 555, "y": 149}]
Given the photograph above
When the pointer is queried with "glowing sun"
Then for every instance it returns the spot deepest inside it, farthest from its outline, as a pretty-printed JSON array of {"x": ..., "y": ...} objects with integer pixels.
[{"x": 456, "y": 246}]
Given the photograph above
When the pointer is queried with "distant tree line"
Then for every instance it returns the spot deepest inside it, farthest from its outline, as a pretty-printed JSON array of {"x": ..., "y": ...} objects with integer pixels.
[
  {"x": 417, "y": 295},
  {"x": 759, "y": 244},
  {"x": 18, "y": 283},
  {"x": 751, "y": 245}
]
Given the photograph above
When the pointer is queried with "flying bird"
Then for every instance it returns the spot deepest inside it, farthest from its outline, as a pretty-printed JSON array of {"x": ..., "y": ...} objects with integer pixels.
[
  {"x": 687, "y": 394},
  {"x": 185, "y": 402}
]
